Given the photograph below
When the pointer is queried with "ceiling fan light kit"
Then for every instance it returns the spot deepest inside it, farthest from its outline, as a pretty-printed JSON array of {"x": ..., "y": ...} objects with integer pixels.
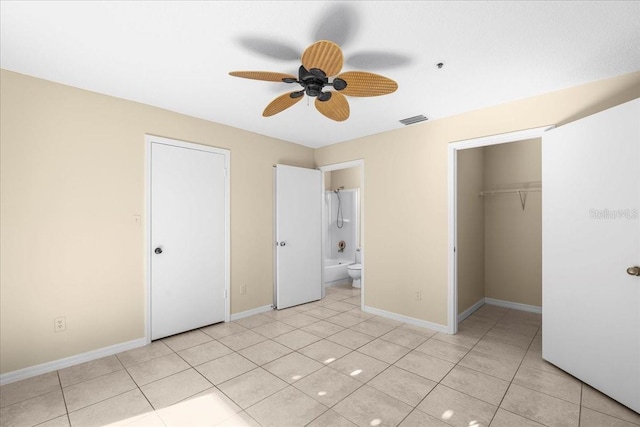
[{"x": 320, "y": 61}]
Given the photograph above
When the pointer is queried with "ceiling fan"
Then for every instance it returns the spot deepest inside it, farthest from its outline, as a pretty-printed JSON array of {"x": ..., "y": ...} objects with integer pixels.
[{"x": 321, "y": 61}]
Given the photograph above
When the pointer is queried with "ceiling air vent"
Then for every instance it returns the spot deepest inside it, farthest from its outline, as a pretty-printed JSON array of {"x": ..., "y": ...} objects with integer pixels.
[{"x": 411, "y": 120}]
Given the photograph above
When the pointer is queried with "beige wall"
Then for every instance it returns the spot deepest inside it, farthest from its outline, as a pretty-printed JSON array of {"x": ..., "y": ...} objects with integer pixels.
[
  {"x": 513, "y": 236},
  {"x": 72, "y": 178},
  {"x": 470, "y": 228},
  {"x": 348, "y": 178},
  {"x": 405, "y": 199}
]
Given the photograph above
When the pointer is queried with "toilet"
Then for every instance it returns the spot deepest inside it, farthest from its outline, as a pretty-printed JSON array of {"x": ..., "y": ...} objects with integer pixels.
[{"x": 355, "y": 270}]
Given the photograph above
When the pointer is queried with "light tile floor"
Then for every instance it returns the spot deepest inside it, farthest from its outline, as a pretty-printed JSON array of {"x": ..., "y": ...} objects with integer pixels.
[{"x": 322, "y": 364}]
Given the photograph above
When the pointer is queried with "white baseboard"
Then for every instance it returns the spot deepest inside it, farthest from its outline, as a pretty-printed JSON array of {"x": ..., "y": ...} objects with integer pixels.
[
  {"x": 469, "y": 311},
  {"x": 251, "y": 312},
  {"x": 32, "y": 371},
  {"x": 406, "y": 319},
  {"x": 514, "y": 305}
]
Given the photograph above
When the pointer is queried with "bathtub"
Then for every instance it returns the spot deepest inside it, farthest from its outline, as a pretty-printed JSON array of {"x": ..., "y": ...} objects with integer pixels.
[{"x": 335, "y": 271}]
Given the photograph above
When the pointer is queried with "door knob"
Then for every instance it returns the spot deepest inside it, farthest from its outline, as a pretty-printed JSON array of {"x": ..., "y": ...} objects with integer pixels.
[
  {"x": 283, "y": 243},
  {"x": 633, "y": 271},
  {"x": 158, "y": 251}
]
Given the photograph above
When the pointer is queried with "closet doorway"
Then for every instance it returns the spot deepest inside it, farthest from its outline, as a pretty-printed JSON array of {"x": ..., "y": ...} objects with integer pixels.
[{"x": 495, "y": 224}]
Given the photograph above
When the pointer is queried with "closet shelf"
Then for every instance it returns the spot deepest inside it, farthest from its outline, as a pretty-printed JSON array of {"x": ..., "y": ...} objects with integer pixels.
[{"x": 530, "y": 187}]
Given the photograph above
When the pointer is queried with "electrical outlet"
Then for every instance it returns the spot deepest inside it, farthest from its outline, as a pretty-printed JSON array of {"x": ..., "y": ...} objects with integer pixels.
[
  {"x": 243, "y": 290},
  {"x": 418, "y": 295},
  {"x": 59, "y": 324}
]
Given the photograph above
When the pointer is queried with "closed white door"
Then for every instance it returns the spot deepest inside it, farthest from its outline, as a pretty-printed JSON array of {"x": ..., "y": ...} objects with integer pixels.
[
  {"x": 187, "y": 235},
  {"x": 298, "y": 235},
  {"x": 591, "y": 236}
]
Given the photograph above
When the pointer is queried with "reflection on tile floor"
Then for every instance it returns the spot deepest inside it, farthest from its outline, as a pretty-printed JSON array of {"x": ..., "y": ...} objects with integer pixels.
[{"x": 322, "y": 364}]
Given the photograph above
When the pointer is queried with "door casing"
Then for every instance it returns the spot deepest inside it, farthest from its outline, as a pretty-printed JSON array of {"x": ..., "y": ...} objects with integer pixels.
[{"x": 452, "y": 167}]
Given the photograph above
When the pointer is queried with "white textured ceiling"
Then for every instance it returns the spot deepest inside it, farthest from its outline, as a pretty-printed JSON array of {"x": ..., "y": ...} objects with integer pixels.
[{"x": 177, "y": 55}]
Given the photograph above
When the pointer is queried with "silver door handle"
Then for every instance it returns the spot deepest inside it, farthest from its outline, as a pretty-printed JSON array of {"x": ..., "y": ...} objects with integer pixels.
[
  {"x": 633, "y": 271},
  {"x": 283, "y": 243}
]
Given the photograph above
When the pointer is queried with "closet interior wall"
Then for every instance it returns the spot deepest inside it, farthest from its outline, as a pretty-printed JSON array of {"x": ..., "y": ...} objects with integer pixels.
[{"x": 499, "y": 242}]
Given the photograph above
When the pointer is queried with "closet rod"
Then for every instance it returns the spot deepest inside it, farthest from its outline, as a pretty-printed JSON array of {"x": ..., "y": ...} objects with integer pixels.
[{"x": 510, "y": 191}]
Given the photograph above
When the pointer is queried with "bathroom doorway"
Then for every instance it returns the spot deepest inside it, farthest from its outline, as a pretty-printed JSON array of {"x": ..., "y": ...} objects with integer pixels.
[{"x": 342, "y": 225}]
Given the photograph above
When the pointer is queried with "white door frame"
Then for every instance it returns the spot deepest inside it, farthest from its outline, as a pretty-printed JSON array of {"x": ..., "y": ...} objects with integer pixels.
[
  {"x": 334, "y": 167},
  {"x": 452, "y": 167},
  {"x": 149, "y": 139}
]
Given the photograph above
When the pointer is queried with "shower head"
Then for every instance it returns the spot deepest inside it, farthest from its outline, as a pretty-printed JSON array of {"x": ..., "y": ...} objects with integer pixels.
[{"x": 338, "y": 189}]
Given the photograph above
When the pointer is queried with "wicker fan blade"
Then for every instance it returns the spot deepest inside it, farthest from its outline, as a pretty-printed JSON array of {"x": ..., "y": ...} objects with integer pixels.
[
  {"x": 361, "y": 83},
  {"x": 263, "y": 75},
  {"x": 324, "y": 55},
  {"x": 336, "y": 108},
  {"x": 281, "y": 103}
]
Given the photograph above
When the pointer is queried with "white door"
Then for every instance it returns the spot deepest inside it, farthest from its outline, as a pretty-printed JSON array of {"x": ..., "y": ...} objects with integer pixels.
[
  {"x": 591, "y": 236},
  {"x": 298, "y": 235},
  {"x": 188, "y": 221}
]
